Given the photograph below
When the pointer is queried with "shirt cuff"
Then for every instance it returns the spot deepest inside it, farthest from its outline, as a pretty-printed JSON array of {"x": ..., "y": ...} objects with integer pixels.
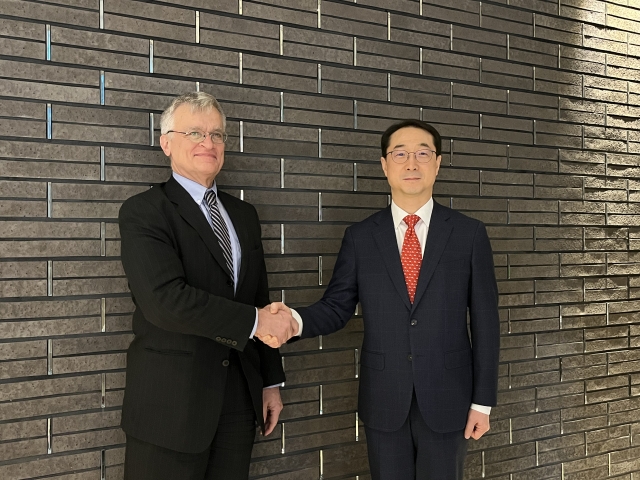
[
  {"x": 481, "y": 409},
  {"x": 274, "y": 386},
  {"x": 255, "y": 326},
  {"x": 298, "y": 318}
]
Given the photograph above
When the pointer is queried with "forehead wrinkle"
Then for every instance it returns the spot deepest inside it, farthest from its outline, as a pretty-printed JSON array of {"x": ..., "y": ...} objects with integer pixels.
[
  {"x": 200, "y": 115},
  {"x": 199, "y": 129}
]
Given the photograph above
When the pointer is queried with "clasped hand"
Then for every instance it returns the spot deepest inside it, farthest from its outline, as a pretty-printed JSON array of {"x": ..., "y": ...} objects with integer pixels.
[{"x": 276, "y": 325}]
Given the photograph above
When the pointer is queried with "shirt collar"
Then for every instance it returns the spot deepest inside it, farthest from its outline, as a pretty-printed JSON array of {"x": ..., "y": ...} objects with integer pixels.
[
  {"x": 424, "y": 212},
  {"x": 194, "y": 189}
]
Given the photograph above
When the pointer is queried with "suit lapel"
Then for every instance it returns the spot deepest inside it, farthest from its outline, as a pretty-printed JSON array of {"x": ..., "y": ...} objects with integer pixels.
[
  {"x": 190, "y": 211},
  {"x": 385, "y": 238},
  {"x": 439, "y": 230},
  {"x": 239, "y": 226}
]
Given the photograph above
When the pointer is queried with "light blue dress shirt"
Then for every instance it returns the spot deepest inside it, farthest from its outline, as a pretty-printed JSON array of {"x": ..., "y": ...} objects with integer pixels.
[{"x": 197, "y": 193}]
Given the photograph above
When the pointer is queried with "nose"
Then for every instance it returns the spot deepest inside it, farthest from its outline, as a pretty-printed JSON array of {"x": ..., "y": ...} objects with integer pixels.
[
  {"x": 412, "y": 162},
  {"x": 207, "y": 142}
]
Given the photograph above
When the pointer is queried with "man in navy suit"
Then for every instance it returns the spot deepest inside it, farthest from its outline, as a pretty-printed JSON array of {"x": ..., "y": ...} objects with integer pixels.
[{"x": 424, "y": 276}]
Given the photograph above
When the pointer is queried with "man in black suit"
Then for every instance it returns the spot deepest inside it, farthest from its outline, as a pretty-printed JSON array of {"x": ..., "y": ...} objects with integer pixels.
[
  {"x": 197, "y": 379},
  {"x": 417, "y": 268}
]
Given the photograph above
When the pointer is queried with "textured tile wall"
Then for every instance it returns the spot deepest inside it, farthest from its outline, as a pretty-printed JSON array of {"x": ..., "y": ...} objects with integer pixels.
[{"x": 538, "y": 101}]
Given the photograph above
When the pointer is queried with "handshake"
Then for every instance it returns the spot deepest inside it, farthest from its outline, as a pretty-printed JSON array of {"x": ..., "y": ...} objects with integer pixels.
[{"x": 276, "y": 325}]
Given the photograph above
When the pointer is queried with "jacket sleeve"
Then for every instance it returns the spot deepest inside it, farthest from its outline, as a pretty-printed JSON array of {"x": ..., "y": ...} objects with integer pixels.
[
  {"x": 339, "y": 301},
  {"x": 484, "y": 320},
  {"x": 157, "y": 281}
]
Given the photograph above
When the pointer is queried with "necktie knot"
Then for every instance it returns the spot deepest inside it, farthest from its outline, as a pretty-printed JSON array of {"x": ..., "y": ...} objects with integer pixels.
[
  {"x": 411, "y": 220},
  {"x": 210, "y": 198}
]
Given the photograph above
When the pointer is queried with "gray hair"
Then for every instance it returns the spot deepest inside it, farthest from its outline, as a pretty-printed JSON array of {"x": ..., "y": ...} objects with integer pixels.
[{"x": 199, "y": 102}]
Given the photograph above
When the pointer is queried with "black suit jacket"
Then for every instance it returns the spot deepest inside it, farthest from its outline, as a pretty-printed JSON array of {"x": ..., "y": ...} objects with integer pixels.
[
  {"x": 187, "y": 318},
  {"x": 425, "y": 345}
]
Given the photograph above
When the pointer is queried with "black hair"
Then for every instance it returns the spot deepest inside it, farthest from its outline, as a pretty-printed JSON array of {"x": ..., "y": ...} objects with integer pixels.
[{"x": 386, "y": 136}]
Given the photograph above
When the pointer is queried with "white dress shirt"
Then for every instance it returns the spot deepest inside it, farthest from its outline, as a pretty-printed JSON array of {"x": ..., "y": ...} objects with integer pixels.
[{"x": 422, "y": 229}]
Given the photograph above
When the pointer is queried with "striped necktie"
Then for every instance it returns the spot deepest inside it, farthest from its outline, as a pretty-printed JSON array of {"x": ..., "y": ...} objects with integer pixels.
[{"x": 219, "y": 228}]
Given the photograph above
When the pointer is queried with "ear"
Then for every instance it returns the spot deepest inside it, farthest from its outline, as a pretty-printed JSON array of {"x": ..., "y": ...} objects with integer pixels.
[
  {"x": 383, "y": 161},
  {"x": 164, "y": 144},
  {"x": 438, "y": 161}
]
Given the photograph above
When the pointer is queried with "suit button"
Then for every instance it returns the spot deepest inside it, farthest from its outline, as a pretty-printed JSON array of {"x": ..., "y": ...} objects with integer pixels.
[
  {"x": 229, "y": 283},
  {"x": 218, "y": 339},
  {"x": 225, "y": 363},
  {"x": 234, "y": 343},
  {"x": 229, "y": 341},
  {"x": 414, "y": 322},
  {"x": 410, "y": 358}
]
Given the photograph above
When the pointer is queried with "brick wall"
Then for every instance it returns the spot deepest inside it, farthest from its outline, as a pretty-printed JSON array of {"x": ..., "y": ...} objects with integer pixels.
[{"x": 538, "y": 101}]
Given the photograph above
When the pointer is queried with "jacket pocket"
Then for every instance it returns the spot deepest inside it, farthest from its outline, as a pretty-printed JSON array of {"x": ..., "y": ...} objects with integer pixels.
[
  {"x": 372, "y": 360},
  {"x": 457, "y": 359},
  {"x": 164, "y": 351}
]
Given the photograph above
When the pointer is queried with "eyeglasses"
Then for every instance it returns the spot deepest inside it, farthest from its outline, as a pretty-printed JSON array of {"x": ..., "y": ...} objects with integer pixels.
[
  {"x": 422, "y": 156},
  {"x": 199, "y": 137}
]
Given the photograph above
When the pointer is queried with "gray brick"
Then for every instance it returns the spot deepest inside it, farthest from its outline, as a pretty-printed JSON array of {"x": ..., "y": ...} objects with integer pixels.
[
  {"x": 102, "y": 41},
  {"x": 139, "y": 25},
  {"x": 50, "y": 13},
  {"x": 22, "y": 48},
  {"x": 444, "y": 58},
  {"x": 17, "y": 28},
  {"x": 466, "y": 12},
  {"x": 300, "y": 13},
  {"x": 62, "y": 131},
  {"x": 42, "y": 91},
  {"x": 140, "y": 9},
  {"x": 479, "y": 42},
  {"x": 506, "y": 20},
  {"x": 52, "y": 464},
  {"x": 47, "y": 73},
  {"x": 257, "y": 36},
  {"x": 77, "y": 441}
]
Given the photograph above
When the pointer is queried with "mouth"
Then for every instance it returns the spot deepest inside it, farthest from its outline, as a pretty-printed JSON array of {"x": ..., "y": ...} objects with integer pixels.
[{"x": 207, "y": 155}]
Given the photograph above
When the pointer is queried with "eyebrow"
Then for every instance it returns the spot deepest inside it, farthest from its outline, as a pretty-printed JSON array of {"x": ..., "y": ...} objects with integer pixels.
[{"x": 403, "y": 145}]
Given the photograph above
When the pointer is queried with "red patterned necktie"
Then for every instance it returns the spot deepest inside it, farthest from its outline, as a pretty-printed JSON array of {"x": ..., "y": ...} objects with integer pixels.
[{"x": 411, "y": 255}]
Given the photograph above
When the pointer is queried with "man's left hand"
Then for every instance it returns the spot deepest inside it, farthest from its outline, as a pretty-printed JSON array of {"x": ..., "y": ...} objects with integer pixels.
[
  {"x": 271, "y": 408},
  {"x": 477, "y": 424}
]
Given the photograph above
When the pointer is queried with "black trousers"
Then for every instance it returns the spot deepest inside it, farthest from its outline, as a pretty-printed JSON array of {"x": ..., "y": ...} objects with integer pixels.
[
  {"x": 228, "y": 456},
  {"x": 415, "y": 452}
]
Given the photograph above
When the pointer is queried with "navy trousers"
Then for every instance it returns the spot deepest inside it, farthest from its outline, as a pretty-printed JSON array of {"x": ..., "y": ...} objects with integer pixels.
[{"x": 415, "y": 452}]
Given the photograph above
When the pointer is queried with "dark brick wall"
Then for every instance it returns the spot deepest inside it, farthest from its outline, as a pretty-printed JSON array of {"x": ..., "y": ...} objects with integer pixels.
[{"x": 538, "y": 101}]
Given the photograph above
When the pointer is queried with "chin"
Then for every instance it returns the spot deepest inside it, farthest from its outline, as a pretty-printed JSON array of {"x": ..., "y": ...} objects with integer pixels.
[
  {"x": 210, "y": 173},
  {"x": 210, "y": 166},
  {"x": 413, "y": 191}
]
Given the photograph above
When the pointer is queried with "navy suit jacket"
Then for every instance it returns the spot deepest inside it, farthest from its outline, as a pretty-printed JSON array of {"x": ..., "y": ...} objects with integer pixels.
[{"x": 426, "y": 345}]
